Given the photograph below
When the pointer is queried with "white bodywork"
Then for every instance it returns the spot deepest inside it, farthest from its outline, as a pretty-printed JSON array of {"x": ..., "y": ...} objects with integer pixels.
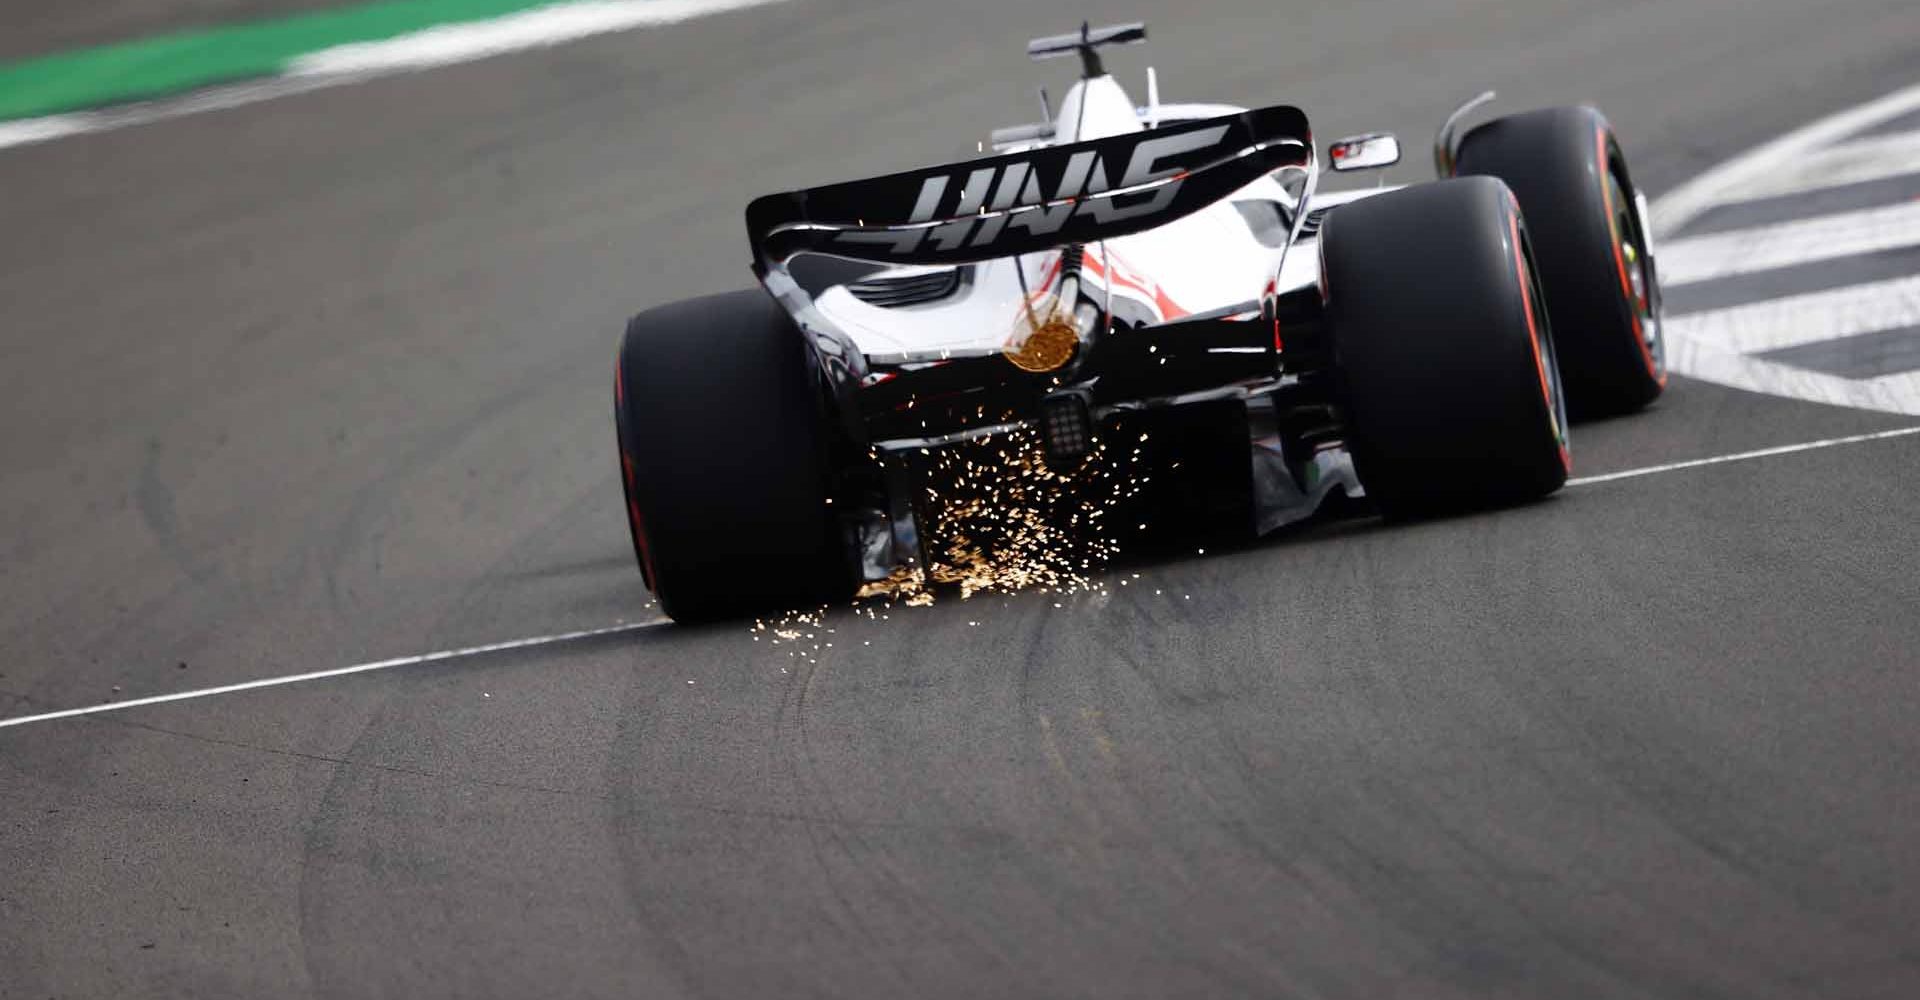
[{"x": 1203, "y": 263}]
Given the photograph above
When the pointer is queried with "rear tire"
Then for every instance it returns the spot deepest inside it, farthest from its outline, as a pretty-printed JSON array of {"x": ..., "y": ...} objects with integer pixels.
[
  {"x": 723, "y": 448},
  {"x": 1602, "y": 292},
  {"x": 1442, "y": 349}
]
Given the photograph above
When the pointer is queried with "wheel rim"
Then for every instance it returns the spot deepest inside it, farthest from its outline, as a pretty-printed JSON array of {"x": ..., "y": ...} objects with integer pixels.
[{"x": 1630, "y": 246}]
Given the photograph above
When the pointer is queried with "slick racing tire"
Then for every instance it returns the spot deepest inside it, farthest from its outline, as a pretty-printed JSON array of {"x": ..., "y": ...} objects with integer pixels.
[
  {"x": 1442, "y": 351},
  {"x": 723, "y": 447},
  {"x": 1603, "y": 294}
]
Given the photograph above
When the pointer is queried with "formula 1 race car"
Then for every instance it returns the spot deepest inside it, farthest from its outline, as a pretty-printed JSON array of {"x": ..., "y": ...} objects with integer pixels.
[{"x": 1120, "y": 273}]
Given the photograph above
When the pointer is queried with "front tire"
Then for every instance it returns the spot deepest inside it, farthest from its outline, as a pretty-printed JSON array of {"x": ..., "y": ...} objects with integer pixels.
[
  {"x": 1603, "y": 295},
  {"x": 1442, "y": 349},
  {"x": 723, "y": 453}
]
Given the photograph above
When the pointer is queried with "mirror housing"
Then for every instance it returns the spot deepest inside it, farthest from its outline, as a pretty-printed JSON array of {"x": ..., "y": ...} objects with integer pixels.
[{"x": 1364, "y": 152}]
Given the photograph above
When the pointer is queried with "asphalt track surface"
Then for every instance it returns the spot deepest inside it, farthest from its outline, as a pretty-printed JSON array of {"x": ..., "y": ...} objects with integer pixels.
[{"x": 325, "y": 380}]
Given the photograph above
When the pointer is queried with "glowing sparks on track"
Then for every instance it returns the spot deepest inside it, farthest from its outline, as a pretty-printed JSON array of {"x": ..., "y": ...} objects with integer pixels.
[{"x": 997, "y": 519}]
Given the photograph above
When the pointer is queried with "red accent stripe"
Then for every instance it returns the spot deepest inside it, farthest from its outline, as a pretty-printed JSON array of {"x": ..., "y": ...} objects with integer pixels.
[
  {"x": 1169, "y": 309},
  {"x": 1046, "y": 280},
  {"x": 1269, "y": 293},
  {"x": 1533, "y": 341},
  {"x": 635, "y": 523}
]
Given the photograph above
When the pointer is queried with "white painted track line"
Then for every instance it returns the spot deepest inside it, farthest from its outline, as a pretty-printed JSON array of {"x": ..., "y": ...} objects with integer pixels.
[
  {"x": 564, "y": 637},
  {"x": 27, "y": 131},
  {"x": 1859, "y": 160},
  {"x": 1743, "y": 456},
  {"x": 1785, "y": 244},
  {"x": 358, "y": 668},
  {"x": 1804, "y": 319},
  {"x": 1705, "y": 361},
  {"x": 539, "y": 27},
  {"x": 1723, "y": 183},
  {"x": 1903, "y": 384}
]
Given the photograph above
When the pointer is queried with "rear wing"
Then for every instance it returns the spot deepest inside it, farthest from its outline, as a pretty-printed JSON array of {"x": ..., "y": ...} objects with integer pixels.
[{"x": 1000, "y": 206}]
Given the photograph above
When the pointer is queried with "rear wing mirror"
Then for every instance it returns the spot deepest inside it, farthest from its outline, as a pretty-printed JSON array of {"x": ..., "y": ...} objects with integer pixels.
[{"x": 1364, "y": 152}]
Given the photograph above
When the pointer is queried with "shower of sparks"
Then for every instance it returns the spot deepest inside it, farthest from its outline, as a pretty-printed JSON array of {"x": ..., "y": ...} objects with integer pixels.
[{"x": 997, "y": 519}]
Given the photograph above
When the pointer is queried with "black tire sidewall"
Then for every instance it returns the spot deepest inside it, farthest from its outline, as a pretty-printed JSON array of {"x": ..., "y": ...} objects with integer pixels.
[
  {"x": 724, "y": 451},
  {"x": 1434, "y": 353},
  {"x": 1557, "y": 161}
]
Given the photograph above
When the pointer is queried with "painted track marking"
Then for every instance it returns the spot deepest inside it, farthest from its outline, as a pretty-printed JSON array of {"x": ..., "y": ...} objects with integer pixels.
[
  {"x": 1867, "y": 159},
  {"x": 1710, "y": 363},
  {"x": 1805, "y": 319},
  {"x": 1786, "y": 244},
  {"x": 447, "y": 44},
  {"x": 1744, "y": 456},
  {"x": 1725, "y": 345},
  {"x": 1676, "y": 208},
  {"x": 358, "y": 668}
]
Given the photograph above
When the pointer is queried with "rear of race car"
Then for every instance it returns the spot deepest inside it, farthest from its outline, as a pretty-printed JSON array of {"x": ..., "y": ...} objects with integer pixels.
[
  {"x": 994, "y": 372},
  {"x": 1074, "y": 294}
]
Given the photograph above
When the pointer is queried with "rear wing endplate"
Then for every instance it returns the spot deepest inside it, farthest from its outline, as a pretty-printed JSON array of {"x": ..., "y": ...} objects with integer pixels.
[{"x": 1000, "y": 206}]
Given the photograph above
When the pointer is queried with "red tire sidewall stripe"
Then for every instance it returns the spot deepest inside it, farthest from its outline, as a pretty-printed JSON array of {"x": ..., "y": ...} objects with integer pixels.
[
  {"x": 1533, "y": 341},
  {"x": 635, "y": 522}
]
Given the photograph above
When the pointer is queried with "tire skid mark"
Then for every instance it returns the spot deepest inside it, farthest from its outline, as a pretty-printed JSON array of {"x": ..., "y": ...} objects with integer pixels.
[
  {"x": 1145, "y": 646},
  {"x": 791, "y": 727},
  {"x": 861, "y": 853},
  {"x": 358, "y": 527},
  {"x": 154, "y": 499}
]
